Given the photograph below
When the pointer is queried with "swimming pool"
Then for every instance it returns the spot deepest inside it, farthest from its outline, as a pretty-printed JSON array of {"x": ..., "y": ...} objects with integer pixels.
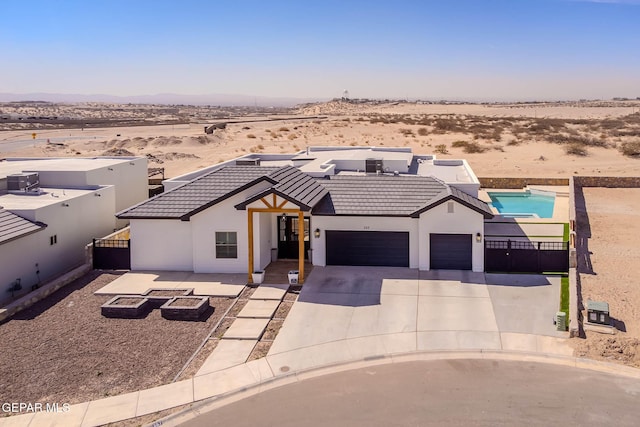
[{"x": 525, "y": 204}]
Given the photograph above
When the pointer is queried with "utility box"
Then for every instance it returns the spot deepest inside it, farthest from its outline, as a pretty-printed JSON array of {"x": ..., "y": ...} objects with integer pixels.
[
  {"x": 561, "y": 321},
  {"x": 293, "y": 277},
  {"x": 598, "y": 312}
]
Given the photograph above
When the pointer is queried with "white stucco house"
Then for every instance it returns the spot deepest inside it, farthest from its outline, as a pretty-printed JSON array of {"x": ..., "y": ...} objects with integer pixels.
[
  {"x": 335, "y": 205},
  {"x": 51, "y": 208}
]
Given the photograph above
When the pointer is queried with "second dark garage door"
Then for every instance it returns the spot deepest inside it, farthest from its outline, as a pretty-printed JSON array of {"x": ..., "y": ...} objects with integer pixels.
[
  {"x": 371, "y": 248},
  {"x": 450, "y": 251}
]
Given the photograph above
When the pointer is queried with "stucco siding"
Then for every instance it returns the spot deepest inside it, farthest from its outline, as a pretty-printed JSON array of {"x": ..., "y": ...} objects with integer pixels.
[{"x": 161, "y": 245}]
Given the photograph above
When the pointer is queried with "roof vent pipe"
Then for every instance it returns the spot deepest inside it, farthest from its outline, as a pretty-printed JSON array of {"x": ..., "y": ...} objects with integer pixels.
[{"x": 396, "y": 173}]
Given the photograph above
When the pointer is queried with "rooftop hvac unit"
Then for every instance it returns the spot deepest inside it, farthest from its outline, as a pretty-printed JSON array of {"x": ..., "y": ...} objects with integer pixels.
[
  {"x": 23, "y": 183},
  {"x": 373, "y": 166},
  {"x": 248, "y": 162}
]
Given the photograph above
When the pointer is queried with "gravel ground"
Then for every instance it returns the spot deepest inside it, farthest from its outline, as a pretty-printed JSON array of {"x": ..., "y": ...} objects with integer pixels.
[
  {"x": 63, "y": 350},
  {"x": 612, "y": 228}
]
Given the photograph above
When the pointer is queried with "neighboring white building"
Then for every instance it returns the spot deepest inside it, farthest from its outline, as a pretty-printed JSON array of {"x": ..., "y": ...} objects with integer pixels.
[
  {"x": 340, "y": 205},
  {"x": 45, "y": 226}
]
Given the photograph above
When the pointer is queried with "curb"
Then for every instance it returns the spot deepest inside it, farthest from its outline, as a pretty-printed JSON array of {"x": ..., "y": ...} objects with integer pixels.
[{"x": 212, "y": 403}]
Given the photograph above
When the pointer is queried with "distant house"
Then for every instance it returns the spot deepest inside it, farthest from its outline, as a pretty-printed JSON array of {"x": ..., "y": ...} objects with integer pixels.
[
  {"x": 51, "y": 208},
  {"x": 338, "y": 206}
]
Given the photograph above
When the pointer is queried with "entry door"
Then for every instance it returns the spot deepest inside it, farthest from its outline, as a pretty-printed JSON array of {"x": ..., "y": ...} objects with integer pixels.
[{"x": 288, "y": 237}]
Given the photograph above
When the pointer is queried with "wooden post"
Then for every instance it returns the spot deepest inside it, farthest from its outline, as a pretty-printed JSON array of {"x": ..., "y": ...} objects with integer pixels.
[
  {"x": 300, "y": 247},
  {"x": 250, "y": 222}
]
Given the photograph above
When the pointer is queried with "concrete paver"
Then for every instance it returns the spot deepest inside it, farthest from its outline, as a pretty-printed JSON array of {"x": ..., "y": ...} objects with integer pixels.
[
  {"x": 111, "y": 409},
  {"x": 525, "y": 303},
  {"x": 62, "y": 419},
  {"x": 394, "y": 314},
  {"x": 22, "y": 420},
  {"x": 166, "y": 396},
  {"x": 455, "y": 314},
  {"x": 259, "y": 309},
  {"x": 220, "y": 382},
  {"x": 246, "y": 329},
  {"x": 270, "y": 292},
  {"x": 227, "y": 353},
  {"x": 137, "y": 282}
]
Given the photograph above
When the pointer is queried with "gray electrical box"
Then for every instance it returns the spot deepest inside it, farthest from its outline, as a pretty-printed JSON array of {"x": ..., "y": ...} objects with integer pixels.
[
  {"x": 561, "y": 321},
  {"x": 598, "y": 312}
]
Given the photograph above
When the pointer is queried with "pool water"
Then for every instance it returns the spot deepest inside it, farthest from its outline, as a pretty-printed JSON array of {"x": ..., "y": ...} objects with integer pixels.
[{"x": 523, "y": 204}]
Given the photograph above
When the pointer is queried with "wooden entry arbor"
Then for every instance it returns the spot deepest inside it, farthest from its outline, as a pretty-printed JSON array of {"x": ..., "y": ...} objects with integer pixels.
[{"x": 277, "y": 205}]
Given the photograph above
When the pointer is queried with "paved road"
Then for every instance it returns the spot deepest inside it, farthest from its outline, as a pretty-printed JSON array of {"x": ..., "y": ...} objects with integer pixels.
[{"x": 451, "y": 392}]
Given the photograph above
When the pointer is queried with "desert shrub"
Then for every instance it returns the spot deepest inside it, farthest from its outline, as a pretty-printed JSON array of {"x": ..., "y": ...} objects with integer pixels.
[
  {"x": 547, "y": 125},
  {"x": 441, "y": 149},
  {"x": 474, "y": 147},
  {"x": 292, "y": 136},
  {"x": 251, "y": 136},
  {"x": 246, "y": 128},
  {"x": 446, "y": 124},
  {"x": 577, "y": 140},
  {"x": 423, "y": 132},
  {"x": 406, "y": 132},
  {"x": 260, "y": 147},
  {"x": 469, "y": 147},
  {"x": 514, "y": 142},
  {"x": 630, "y": 148},
  {"x": 284, "y": 129},
  {"x": 576, "y": 150}
]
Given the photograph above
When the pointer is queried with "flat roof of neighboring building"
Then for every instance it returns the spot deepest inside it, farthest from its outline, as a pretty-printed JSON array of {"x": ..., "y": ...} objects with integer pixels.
[
  {"x": 450, "y": 171},
  {"x": 47, "y": 197},
  {"x": 317, "y": 160},
  {"x": 15, "y": 165}
]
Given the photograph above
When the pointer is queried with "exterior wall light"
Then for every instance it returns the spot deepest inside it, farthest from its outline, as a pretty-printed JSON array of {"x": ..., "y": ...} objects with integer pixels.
[
  {"x": 316, "y": 233},
  {"x": 478, "y": 237}
]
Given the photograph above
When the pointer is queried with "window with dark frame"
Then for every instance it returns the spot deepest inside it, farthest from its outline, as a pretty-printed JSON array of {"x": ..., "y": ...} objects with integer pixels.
[
  {"x": 53, "y": 239},
  {"x": 226, "y": 244}
]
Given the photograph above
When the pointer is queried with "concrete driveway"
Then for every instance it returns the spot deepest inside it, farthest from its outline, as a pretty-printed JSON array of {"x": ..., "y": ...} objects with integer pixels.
[{"x": 346, "y": 313}]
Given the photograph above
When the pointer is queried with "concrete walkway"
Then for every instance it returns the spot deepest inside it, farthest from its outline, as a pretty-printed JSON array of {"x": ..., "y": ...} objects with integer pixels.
[
  {"x": 209, "y": 284},
  {"x": 364, "y": 317}
]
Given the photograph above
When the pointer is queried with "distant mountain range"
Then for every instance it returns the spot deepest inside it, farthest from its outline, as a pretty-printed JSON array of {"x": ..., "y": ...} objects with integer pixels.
[{"x": 162, "y": 98}]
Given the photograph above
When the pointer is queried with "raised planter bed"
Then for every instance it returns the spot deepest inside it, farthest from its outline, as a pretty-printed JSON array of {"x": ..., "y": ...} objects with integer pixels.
[
  {"x": 126, "y": 306},
  {"x": 158, "y": 297},
  {"x": 185, "y": 308}
]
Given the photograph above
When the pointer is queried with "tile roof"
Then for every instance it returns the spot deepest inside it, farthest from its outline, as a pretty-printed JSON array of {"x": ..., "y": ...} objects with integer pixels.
[
  {"x": 193, "y": 197},
  {"x": 385, "y": 195},
  {"x": 378, "y": 195},
  {"x": 13, "y": 226},
  {"x": 453, "y": 193},
  {"x": 293, "y": 185}
]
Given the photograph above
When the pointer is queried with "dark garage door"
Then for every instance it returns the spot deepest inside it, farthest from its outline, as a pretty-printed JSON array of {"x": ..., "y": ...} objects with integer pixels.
[
  {"x": 450, "y": 251},
  {"x": 379, "y": 248}
]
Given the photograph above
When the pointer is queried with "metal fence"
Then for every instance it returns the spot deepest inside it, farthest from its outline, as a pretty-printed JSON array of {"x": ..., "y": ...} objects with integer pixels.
[
  {"x": 526, "y": 256},
  {"x": 111, "y": 254}
]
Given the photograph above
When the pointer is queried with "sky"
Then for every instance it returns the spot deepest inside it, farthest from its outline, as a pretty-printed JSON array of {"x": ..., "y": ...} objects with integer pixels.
[{"x": 428, "y": 49}]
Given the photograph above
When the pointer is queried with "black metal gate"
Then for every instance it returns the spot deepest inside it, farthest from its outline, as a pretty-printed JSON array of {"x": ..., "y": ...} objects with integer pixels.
[
  {"x": 111, "y": 254},
  {"x": 525, "y": 257}
]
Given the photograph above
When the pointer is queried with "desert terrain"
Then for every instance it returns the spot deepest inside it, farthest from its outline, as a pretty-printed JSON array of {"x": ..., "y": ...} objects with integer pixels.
[
  {"x": 537, "y": 140},
  {"x": 499, "y": 140}
]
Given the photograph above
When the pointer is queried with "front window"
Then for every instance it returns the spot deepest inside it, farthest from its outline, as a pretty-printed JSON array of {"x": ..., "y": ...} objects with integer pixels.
[{"x": 226, "y": 244}]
